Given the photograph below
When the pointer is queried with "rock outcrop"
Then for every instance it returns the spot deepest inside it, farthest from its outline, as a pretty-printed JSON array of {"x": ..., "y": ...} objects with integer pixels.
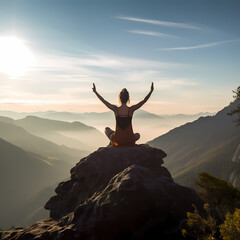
[
  {"x": 234, "y": 177},
  {"x": 115, "y": 193},
  {"x": 236, "y": 155}
]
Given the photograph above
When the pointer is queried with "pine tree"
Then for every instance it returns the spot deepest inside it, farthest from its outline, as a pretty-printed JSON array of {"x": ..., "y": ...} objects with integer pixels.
[{"x": 236, "y": 110}]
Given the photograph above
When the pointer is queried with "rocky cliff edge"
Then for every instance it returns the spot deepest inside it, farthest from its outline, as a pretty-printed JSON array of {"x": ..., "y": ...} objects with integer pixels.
[{"x": 115, "y": 193}]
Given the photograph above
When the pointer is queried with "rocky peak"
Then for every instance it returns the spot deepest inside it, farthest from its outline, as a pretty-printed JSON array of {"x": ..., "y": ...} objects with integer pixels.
[
  {"x": 93, "y": 172},
  {"x": 116, "y": 193}
]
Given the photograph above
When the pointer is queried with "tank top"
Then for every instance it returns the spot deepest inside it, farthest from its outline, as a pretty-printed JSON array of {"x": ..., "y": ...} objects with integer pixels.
[
  {"x": 123, "y": 135},
  {"x": 124, "y": 120}
]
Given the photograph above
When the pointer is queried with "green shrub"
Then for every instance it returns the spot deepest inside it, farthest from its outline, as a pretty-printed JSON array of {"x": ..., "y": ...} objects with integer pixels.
[
  {"x": 218, "y": 193},
  {"x": 230, "y": 229},
  {"x": 237, "y": 109},
  {"x": 199, "y": 227},
  {"x": 225, "y": 198}
]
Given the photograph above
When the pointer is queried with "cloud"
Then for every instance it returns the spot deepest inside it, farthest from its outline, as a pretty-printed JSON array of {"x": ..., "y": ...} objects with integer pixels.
[
  {"x": 59, "y": 77},
  {"x": 154, "y": 34},
  {"x": 162, "y": 23},
  {"x": 178, "y": 82},
  {"x": 207, "y": 45},
  {"x": 95, "y": 65},
  {"x": 66, "y": 80}
]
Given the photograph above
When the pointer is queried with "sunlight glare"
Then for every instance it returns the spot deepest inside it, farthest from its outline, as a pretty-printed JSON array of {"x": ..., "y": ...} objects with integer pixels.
[{"x": 15, "y": 57}]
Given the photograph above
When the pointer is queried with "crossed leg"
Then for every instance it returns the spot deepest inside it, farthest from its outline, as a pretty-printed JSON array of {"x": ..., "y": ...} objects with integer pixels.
[
  {"x": 109, "y": 132},
  {"x": 137, "y": 136}
]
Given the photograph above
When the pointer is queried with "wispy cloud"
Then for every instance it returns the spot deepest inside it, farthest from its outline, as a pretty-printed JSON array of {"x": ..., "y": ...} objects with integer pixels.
[
  {"x": 178, "y": 82},
  {"x": 154, "y": 34},
  {"x": 162, "y": 23},
  {"x": 60, "y": 76},
  {"x": 207, "y": 45},
  {"x": 85, "y": 66}
]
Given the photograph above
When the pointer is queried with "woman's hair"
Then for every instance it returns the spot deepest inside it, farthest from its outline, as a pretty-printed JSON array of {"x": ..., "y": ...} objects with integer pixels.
[{"x": 124, "y": 96}]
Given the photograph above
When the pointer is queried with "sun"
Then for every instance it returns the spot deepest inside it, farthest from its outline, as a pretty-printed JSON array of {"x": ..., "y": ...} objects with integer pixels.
[{"x": 15, "y": 57}]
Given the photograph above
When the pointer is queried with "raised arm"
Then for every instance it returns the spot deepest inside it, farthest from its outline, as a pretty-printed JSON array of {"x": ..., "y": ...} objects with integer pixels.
[
  {"x": 137, "y": 106},
  {"x": 109, "y": 105}
]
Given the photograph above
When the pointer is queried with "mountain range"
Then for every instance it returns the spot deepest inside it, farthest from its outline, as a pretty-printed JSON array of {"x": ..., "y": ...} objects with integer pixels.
[
  {"x": 29, "y": 142},
  {"x": 75, "y": 134},
  {"x": 207, "y": 144},
  {"x": 22, "y": 175},
  {"x": 149, "y": 125},
  {"x": 30, "y": 165}
]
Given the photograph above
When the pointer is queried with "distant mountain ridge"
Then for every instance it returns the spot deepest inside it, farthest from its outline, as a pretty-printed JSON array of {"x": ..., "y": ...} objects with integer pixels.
[
  {"x": 74, "y": 116},
  {"x": 23, "y": 139},
  {"x": 21, "y": 142},
  {"x": 20, "y": 152},
  {"x": 207, "y": 144},
  {"x": 149, "y": 125},
  {"x": 74, "y": 134},
  {"x": 23, "y": 174}
]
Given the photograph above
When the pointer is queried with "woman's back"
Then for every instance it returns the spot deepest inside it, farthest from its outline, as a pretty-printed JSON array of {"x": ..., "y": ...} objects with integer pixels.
[
  {"x": 124, "y": 110},
  {"x": 123, "y": 135},
  {"x": 123, "y": 117}
]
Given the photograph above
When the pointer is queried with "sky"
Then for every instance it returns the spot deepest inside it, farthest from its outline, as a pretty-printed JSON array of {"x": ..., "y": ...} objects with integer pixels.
[{"x": 51, "y": 51}]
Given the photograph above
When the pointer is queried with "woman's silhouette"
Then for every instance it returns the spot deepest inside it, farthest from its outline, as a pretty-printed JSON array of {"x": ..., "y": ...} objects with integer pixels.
[{"x": 123, "y": 134}]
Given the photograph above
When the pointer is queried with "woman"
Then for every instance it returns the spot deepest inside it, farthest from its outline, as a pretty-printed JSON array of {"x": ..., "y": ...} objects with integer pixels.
[{"x": 123, "y": 134}]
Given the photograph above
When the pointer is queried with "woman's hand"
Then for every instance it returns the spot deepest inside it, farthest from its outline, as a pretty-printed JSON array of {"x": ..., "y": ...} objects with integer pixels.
[
  {"x": 94, "y": 88},
  {"x": 152, "y": 87}
]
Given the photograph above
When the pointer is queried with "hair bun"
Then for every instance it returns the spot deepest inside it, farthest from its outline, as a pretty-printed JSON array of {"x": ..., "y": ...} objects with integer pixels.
[{"x": 124, "y": 96}]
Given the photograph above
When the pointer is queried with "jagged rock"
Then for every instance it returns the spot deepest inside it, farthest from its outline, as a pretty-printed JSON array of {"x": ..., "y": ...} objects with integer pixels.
[
  {"x": 236, "y": 155},
  {"x": 135, "y": 204},
  {"x": 115, "y": 193},
  {"x": 93, "y": 172},
  {"x": 234, "y": 177}
]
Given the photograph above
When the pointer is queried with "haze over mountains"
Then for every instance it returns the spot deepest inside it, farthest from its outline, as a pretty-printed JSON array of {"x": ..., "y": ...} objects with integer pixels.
[
  {"x": 23, "y": 139},
  {"x": 30, "y": 164},
  {"x": 75, "y": 134},
  {"x": 208, "y": 144},
  {"x": 22, "y": 175},
  {"x": 149, "y": 125}
]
